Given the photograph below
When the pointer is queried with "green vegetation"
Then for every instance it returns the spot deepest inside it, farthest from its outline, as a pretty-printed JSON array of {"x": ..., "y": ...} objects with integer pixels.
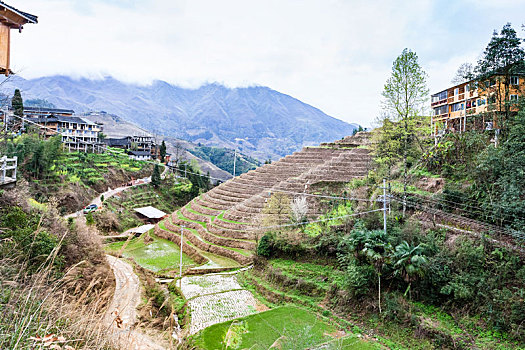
[
  {"x": 44, "y": 159},
  {"x": 223, "y": 159},
  {"x": 418, "y": 286},
  {"x": 156, "y": 255},
  {"x": 20, "y": 233},
  {"x": 91, "y": 168},
  {"x": 290, "y": 327},
  {"x": 119, "y": 214},
  {"x": 52, "y": 279},
  {"x": 155, "y": 178},
  {"x": 162, "y": 151},
  {"x": 214, "y": 261},
  {"x": 17, "y": 103}
]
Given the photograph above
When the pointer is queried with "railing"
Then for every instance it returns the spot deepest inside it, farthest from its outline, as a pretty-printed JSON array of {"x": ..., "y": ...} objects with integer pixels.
[
  {"x": 439, "y": 102},
  {"x": 8, "y": 165}
]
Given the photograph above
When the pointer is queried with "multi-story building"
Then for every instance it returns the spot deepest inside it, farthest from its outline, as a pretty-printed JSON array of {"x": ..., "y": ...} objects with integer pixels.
[
  {"x": 476, "y": 105},
  {"x": 10, "y": 18},
  {"x": 142, "y": 143},
  {"x": 77, "y": 134}
]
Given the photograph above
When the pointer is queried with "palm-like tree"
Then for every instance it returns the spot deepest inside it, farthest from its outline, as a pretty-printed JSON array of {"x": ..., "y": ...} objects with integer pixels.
[
  {"x": 410, "y": 263},
  {"x": 377, "y": 250}
]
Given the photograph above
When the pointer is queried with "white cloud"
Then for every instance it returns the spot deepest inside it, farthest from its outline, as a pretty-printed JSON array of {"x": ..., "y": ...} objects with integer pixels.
[{"x": 333, "y": 54}]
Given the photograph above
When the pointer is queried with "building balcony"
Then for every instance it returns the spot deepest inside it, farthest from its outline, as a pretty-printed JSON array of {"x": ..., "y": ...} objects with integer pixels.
[{"x": 441, "y": 102}]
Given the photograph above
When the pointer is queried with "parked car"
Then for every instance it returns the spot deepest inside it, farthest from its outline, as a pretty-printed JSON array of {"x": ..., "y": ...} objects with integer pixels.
[{"x": 90, "y": 208}]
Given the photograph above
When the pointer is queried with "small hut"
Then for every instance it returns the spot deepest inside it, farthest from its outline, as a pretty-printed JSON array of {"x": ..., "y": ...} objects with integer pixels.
[{"x": 150, "y": 214}]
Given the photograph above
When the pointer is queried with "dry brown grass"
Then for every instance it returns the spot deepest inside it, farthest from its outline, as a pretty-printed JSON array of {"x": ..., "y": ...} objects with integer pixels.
[{"x": 54, "y": 307}]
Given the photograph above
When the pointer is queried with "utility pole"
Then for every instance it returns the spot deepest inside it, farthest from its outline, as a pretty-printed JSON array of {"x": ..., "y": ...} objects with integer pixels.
[
  {"x": 234, "y": 158},
  {"x": 180, "y": 264}
]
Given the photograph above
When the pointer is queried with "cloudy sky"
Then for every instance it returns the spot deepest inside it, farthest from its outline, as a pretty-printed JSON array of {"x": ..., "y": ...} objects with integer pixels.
[{"x": 333, "y": 54}]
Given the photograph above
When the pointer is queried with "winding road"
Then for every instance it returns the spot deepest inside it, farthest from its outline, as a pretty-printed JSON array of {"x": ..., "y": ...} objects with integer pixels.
[{"x": 110, "y": 193}]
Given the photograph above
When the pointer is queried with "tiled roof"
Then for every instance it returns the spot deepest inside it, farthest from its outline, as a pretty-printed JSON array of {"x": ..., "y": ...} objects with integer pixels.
[
  {"x": 60, "y": 118},
  {"x": 125, "y": 141},
  {"x": 27, "y": 16},
  {"x": 48, "y": 110},
  {"x": 139, "y": 153}
]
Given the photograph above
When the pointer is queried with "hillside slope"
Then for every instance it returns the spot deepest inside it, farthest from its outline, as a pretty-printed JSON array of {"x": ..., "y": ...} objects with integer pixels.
[
  {"x": 262, "y": 122},
  {"x": 226, "y": 220}
]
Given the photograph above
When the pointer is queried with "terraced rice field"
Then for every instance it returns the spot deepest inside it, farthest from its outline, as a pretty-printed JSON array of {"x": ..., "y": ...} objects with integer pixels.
[
  {"x": 210, "y": 309},
  {"x": 290, "y": 327},
  {"x": 159, "y": 255},
  {"x": 215, "y": 299},
  {"x": 223, "y": 221}
]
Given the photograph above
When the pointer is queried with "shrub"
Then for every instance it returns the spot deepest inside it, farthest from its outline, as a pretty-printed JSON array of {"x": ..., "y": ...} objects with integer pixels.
[
  {"x": 90, "y": 220},
  {"x": 358, "y": 279},
  {"x": 265, "y": 246}
]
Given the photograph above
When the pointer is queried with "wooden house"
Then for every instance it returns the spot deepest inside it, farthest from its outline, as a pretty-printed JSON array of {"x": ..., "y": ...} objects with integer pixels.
[
  {"x": 10, "y": 18},
  {"x": 476, "y": 105}
]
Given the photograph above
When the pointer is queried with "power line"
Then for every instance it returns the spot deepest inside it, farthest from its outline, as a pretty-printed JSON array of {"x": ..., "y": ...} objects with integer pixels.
[
  {"x": 480, "y": 211},
  {"x": 316, "y": 221},
  {"x": 497, "y": 229}
]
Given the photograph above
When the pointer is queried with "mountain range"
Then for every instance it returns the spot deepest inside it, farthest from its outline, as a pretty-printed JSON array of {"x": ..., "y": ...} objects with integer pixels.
[{"x": 259, "y": 121}]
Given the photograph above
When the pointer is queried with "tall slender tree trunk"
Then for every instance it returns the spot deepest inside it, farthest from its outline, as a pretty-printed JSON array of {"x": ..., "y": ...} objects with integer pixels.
[
  {"x": 379, "y": 292},
  {"x": 405, "y": 173}
]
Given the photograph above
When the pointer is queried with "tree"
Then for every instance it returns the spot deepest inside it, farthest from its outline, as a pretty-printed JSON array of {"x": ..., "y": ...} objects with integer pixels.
[
  {"x": 299, "y": 210},
  {"x": 162, "y": 151},
  {"x": 404, "y": 98},
  {"x": 17, "y": 103},
  {"x": 409, "y": 262},
  {"x": 276, "y": 211},
  {"x": 498, "y": 176},
  {"x": 464, "y": 73},
  {"x": 377, "y": 250},
  {"x": 178, "y": 153},
  {"x": 359, "y": 129},
  {"x": 18, "y": 106},
  {"x": 155, "y": 178},
  {"x": 502, "y": 58}
]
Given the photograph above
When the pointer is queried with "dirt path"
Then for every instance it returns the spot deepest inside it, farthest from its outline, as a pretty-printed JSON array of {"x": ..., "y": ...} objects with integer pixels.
[
  {"x": 111, "y": 193},
  {"x": 121, "y": 316}
]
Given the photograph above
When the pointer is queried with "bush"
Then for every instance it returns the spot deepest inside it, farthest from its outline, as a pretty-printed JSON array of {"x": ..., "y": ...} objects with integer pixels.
[
  {"x": 358, "y": 279},
  {"x": 90, "y": 220},
  {"x": 265, "y": 246}
]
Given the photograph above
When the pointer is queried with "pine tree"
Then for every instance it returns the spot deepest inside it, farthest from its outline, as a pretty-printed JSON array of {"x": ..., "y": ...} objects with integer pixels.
[
  {"x": 17, "y": 103},
  {"x": 155, "y": 178},
  {"x": 503, "y": 57},
  {"x": 162, "y": 151}
]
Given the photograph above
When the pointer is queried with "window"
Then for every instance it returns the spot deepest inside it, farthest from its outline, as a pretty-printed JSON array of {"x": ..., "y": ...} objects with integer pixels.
[
  {"x": 456, "y": 91},
  {"x": 467, "y": 88},
  {"x": 457, "y": 107},
  {"x": 513, "y": 97},
  {"x": 514, "y": 80}
]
